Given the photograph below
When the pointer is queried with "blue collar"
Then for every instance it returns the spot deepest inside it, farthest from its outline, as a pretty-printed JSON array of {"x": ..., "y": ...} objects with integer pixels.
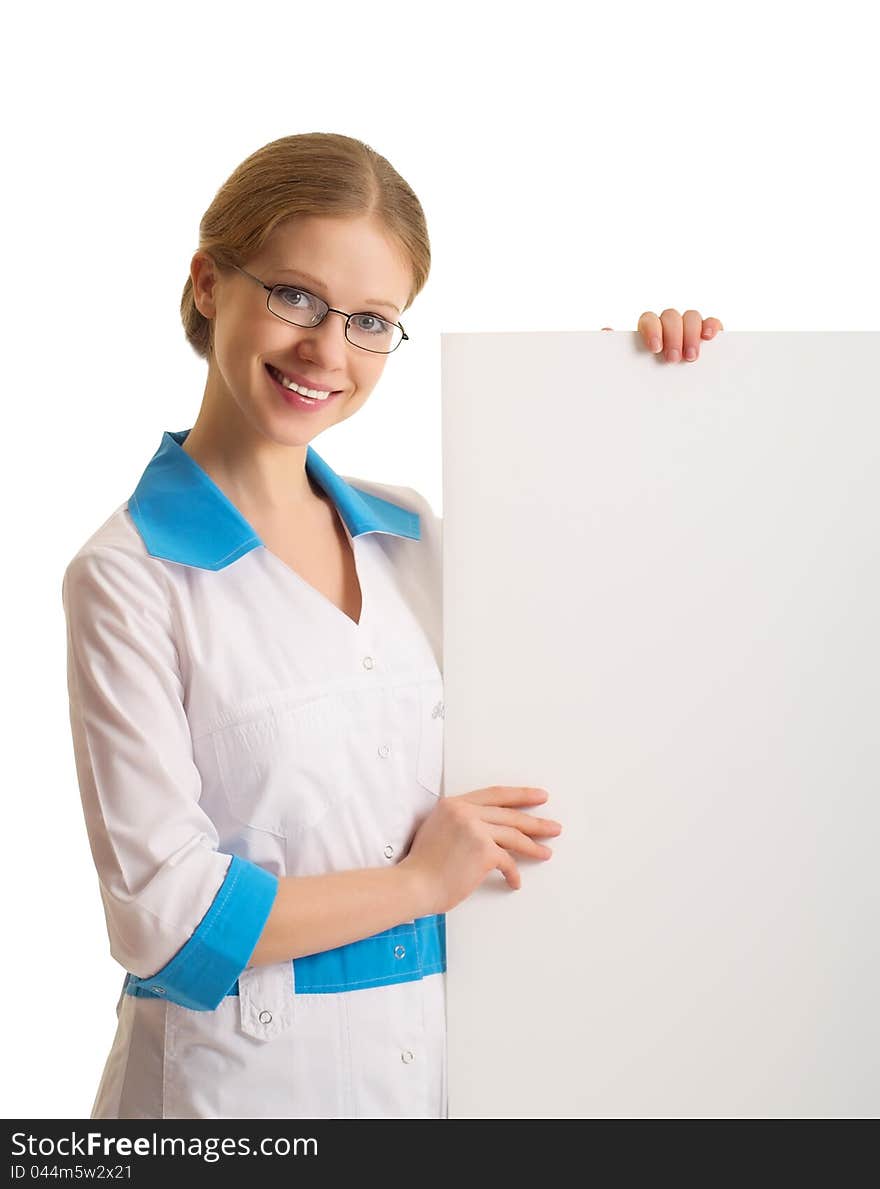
[{"x": 183, "y": 516}]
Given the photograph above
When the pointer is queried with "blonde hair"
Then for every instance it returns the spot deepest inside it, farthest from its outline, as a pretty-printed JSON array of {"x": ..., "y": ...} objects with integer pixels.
[{"x": 312, "y": 173}]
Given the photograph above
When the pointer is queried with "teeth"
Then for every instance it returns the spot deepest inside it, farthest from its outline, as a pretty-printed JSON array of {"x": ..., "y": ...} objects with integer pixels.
[{"x": 314, "y": 393}]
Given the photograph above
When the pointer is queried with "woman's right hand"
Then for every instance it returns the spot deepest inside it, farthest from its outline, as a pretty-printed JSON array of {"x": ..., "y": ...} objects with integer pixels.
[{"x": 465, "y": 837}]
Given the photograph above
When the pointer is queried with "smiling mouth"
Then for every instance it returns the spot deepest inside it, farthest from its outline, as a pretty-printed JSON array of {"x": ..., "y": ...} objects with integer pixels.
[{"x": 300, "y": 389}]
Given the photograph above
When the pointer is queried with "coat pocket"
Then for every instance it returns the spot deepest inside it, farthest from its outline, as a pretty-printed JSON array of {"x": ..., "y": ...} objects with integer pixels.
[
  {"x": 241, "y": 1060},
  {"x": 429, "y": 768},
  {"x": 266, "y": 999},
  {"x": 281, "y": 767}
]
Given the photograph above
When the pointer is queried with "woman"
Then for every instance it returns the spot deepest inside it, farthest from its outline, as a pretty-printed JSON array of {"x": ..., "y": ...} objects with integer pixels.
[{"x": 256, "y": 695}]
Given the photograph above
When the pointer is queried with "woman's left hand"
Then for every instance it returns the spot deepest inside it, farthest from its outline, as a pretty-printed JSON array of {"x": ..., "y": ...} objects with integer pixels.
[{"x": 676, "y": 335}]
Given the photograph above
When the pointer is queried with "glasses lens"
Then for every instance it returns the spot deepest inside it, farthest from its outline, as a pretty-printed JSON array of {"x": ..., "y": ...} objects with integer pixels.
[
  {"x": 296, "y": 305},
  {"x": 373, "y": 333}
]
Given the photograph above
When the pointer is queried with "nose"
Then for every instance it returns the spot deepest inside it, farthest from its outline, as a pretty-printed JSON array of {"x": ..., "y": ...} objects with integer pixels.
[{"x": 326, "y": 343}]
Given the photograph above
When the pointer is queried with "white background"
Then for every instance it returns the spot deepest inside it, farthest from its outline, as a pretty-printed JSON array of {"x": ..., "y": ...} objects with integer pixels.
[{"x": 577, "y": 167}]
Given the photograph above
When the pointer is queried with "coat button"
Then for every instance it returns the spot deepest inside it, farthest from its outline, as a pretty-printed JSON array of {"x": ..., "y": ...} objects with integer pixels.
[
  {"x": 407, "y": 1056},
  {"x": 388, "y": 851},
  {"x": 265, "y": 1017},
  {"x": 399, "y": 951},
  {"x": 368, "y": 662}
]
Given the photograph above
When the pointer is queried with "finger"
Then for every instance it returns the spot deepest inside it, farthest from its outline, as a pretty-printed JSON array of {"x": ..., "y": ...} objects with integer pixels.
[
  {"x": 672, "y": 334},
  {"x": 516, "y": 841},
  {"x": 527, "y": 822},
  {"x": 692, "y": 326},
  {"x": 507, "y": 866},
  {"x": 651, "y": 330},
  {"x": 505, "y": 794},
  {"x": 711, "y": 327}
]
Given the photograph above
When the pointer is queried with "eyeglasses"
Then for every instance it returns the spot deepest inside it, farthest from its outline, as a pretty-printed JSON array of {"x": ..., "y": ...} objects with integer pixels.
[{"x": 369, "y": 331}]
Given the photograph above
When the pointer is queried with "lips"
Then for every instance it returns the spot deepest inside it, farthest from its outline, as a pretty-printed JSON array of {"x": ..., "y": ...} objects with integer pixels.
[{"x": 303, "y": 381}]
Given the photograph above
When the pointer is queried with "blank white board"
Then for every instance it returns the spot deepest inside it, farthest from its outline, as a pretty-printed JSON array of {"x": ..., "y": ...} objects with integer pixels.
[{"x": 661, "y": 595}]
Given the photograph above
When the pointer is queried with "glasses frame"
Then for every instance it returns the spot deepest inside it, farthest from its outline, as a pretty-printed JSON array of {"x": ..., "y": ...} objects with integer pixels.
[{"x": 328, "y": 309}]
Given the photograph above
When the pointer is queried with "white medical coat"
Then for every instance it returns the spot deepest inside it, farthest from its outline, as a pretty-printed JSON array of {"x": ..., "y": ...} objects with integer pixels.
[{"x": 232, "y": 726}]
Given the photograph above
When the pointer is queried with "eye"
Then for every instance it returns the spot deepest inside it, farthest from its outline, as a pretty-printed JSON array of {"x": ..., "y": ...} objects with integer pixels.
[
  {"x": 372, "y": 324},
  {"x": 297, "y": 299}
]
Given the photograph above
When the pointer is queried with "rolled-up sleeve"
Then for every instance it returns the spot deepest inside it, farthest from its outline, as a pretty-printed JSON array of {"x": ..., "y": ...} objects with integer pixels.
[{"x": 183, "y": 918}]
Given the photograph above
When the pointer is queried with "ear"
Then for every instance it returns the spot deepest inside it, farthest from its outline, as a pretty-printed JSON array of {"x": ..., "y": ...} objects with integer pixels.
[{"x": 203, "y": 272}]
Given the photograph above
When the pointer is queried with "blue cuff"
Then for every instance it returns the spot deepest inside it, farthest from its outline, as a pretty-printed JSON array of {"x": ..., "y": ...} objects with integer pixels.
[{"x": 203, "y": 970}]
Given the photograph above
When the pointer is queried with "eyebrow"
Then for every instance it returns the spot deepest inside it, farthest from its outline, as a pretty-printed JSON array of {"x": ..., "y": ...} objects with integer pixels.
[{"x": 376, "y": 301}]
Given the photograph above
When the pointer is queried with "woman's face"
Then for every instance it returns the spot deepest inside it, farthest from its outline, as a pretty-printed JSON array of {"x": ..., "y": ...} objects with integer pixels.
[{"x": 353, "y": 265}]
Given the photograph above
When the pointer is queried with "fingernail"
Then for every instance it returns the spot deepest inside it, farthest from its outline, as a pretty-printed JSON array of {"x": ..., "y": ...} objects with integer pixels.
[
  {"x": 709, "y": 331},
  {"x": 656, "y": 345},
  {"x": 673, "y": 356},
  {"x": 690, "y": 353}
]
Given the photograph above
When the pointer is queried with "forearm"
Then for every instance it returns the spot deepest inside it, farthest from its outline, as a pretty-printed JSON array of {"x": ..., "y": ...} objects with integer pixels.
[{"x": 312, "y": 913}]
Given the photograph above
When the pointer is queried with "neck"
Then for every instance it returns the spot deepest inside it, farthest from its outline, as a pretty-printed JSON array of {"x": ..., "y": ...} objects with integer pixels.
[{"x": 261, "y": 476}]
